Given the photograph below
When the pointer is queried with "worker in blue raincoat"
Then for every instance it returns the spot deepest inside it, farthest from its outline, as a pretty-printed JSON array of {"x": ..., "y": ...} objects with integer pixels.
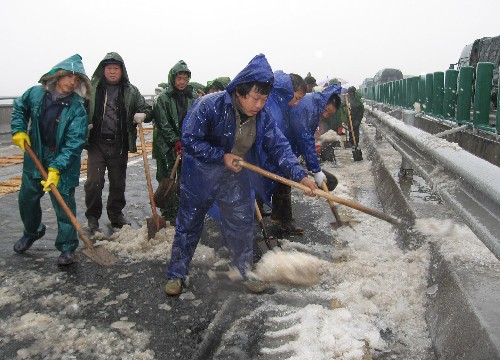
[
  {"x": 52, "y": 119},
  {"x": 288, "y": 90},
  {"x": 218, "y": 129},
  {"x": 303, "y": 122}
]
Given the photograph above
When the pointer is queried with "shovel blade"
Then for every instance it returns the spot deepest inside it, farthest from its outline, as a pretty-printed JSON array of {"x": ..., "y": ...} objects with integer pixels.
[
  {"x": 99, "y": 255},
  {"x": 268, "y": 244},
  {"x": 154, "y": 225},
  {"x": 165, "y": 189}
]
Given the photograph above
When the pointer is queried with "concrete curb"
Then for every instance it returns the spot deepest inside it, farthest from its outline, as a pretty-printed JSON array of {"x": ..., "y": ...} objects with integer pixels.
[{"x": 463, "y": 315}]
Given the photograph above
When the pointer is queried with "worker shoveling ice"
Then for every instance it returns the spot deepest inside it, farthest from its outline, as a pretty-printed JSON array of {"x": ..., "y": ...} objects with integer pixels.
[{"x": 288, "y": 267}]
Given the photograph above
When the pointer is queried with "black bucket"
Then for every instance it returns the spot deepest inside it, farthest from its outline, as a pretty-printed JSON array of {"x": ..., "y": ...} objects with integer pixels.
[
  {"x": 327, "y": 152},
  {"x": 357, "y": 154}
]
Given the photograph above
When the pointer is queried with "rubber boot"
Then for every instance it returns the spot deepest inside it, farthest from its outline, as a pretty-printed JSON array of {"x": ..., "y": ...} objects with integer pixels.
[{"x": 282, "y": 211}]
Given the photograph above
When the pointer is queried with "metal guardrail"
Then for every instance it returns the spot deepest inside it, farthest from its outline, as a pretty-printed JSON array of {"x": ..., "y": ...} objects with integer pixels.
[
  {"x": 468, "y": 184},
  {"x": 6, "y": 111},
  {"x": 467, "y": 96}
]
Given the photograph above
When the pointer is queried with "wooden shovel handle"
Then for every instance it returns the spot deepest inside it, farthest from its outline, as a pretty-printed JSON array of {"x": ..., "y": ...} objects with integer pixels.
[
  {"x": 176, "y": 165},
  {"x": 318, "y": 192},
  {"x": 88, "y": 243},
  {"x": 257, "y": 211},
  {"x": 348, "y": 107},
  {"x": 146, "y": 168}
]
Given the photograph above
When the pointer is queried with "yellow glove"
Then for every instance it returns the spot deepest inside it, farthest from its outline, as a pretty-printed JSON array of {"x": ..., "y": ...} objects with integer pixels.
[
  {"x": 19, "y": 138},
  {"x": 52, "y": 178}
]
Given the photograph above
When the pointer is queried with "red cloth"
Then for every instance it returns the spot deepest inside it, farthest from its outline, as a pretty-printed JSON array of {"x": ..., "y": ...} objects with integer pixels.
[{"x": 178, "y": 148}]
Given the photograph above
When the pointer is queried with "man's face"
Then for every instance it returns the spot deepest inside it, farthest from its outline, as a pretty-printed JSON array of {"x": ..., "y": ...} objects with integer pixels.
[
  {"x": 252, "y": 103},
  {"x": 181, "y": 81},
  {"x": 113, "y": 73},
  {"x": 67, "y": 84},
  {"x": 328, "y": 111},
  {"x": 297, "y": 96}
]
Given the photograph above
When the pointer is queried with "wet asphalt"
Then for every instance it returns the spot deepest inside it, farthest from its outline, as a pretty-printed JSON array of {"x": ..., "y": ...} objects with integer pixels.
[{"x": 179, "y": 328}]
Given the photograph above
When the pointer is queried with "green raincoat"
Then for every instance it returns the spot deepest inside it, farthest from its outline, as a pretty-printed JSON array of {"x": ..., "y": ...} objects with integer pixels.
[{"x": 65, "y": 157}]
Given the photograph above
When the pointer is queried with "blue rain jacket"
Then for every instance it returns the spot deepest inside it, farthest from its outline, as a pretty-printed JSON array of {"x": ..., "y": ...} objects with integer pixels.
[
  {"x": 207, "y": 134},
  {"x": 303, "y": 122},
  {"x": 279, "y": 110}
]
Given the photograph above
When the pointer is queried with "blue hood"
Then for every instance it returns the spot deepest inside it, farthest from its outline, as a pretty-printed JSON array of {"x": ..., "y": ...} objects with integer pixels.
[{"x": 258, "y": 69}]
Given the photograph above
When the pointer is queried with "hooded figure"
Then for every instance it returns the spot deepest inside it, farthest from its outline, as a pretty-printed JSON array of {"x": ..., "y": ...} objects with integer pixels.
[
  {"x": 169, "y": 112},
  {"x": 133, "y": 102},
  {"x": 303, "y": 122},
  {"x": 282, "y": 99},
  {"x": 115, "y": 109},
  {"x": 51, "y": 118},
  {"x": 215, "y": 131}
]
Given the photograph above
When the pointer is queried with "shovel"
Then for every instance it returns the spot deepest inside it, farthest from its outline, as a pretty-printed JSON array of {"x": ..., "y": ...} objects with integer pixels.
[
  {"x": 338, "y": 221},
  {"x": 157, "y": 222},
  {"x": 331, "y": 180},
  {"x": 318, "y": 192},
  {"x": 356, "y": 153},
  {"x": 267, "y": 243},
  {"x": 167, "y": 185},
  {"x": 95, "y": 253}
]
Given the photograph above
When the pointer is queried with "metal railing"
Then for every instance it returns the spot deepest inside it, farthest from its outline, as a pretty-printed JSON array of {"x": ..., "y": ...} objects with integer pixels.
[
  {"x": 466, "y": 97},
  {"x": 6, "y": 105},
  {"x": 468, "y": 184}
]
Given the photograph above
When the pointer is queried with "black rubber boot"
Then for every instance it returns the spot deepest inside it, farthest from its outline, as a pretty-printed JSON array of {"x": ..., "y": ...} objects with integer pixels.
[
  {"x": 25, "y": 242},
  {"x": 66, "y": 258},
  {"x": 282, "y": 211}
]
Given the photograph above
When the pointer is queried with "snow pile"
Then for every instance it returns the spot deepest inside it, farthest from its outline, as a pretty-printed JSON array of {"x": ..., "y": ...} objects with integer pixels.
[
  {"x": 329, "y": 136},
  {"x": 135, "y": 246},
  {"x": 287, "y": 267},
  {"x": 55, "y": 331},
  {"x": 319, "y": 333},
  {"x": 456, "y": 241},
  {"x": 376, "y": 291}
]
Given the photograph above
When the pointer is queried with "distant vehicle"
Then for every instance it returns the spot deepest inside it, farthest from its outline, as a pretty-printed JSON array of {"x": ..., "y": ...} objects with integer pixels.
[
  {"x": 366, "y": 83},
  {"x": 486, "y": 49},
  {"x": 386, "y": 75}
]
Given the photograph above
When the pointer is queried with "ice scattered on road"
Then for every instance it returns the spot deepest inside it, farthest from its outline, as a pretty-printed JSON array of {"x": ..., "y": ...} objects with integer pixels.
[{"x": 287, "y": 267}]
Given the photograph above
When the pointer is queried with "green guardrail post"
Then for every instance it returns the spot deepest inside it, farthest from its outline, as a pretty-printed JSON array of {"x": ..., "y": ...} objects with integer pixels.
[
  {"x": 464, "y": 94},
  {"x": 414, "y": 91},
  {"x": 438, "y": 93},
  {"x": 450, "y": 93},
  {"x": 403, "y": 94},
  {"x": 421, "y": 91},
  {"x": 498, "y": 106},
  {"x": 429, "y": 85},
  {"x": 409, "y": 94},
  {"x": 482, "y": 97}
]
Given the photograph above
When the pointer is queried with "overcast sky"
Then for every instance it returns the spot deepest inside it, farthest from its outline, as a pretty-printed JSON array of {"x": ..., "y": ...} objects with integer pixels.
[{"x": 347, "y": 39}]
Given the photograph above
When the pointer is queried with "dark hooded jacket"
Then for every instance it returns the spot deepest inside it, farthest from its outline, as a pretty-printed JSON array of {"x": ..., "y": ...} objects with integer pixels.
[
  {"x": 131, "y": 102},
  {"x": 71, "y": 130},
  {"x": 303, "y": 122},
  {"x": 168, "y": 123}
]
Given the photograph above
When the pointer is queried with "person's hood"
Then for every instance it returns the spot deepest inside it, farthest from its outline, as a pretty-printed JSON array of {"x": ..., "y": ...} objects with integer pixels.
[
  {"x": 71, "y": 65},
  {"x": 222, "y": 80},
  {"x": 321, "y": 98},
  {"x": 282, "y": 87},
  {"x": 258, "y": 69},
  {"x": 181, "y": 66},
  {"x": 99, "y": 71}
]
